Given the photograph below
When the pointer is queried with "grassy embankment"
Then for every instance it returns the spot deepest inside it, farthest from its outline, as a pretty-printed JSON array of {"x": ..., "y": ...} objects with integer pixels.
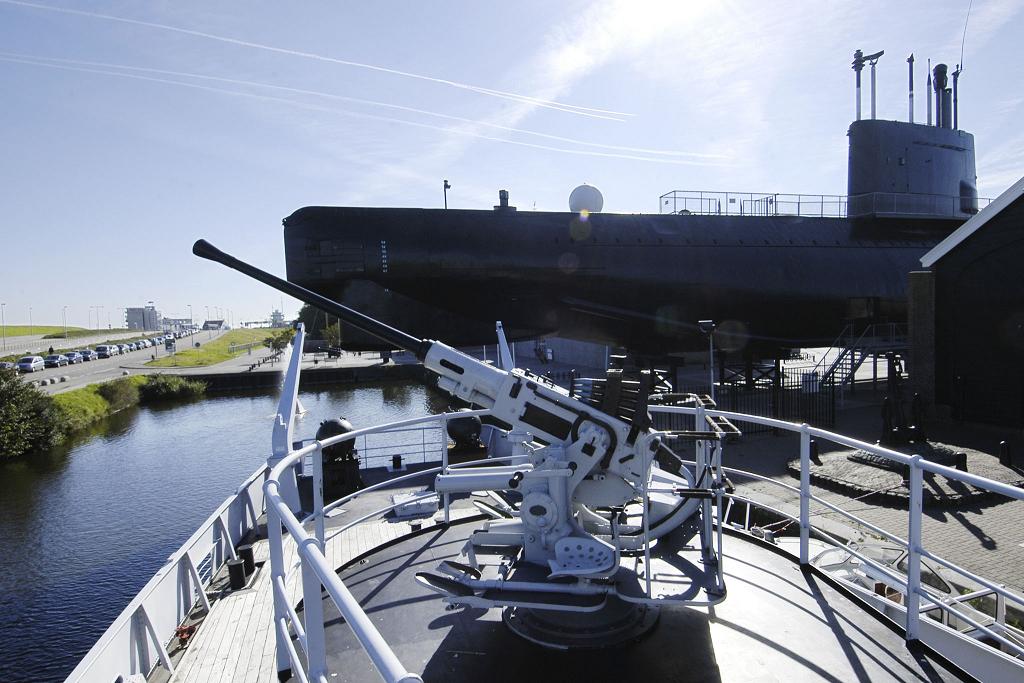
[
  {"x": 33, "y": 421},
  {"x": 79, "y": 332},
  {"x": 216, "y": 351},
  {"x": 28, "y": 330}
]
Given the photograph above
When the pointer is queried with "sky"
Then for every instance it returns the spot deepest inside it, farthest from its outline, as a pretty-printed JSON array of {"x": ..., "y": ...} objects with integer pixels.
[{"x": 130, "y": 129}]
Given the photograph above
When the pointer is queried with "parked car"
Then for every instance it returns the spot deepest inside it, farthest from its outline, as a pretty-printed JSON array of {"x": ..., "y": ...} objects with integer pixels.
[
  {"x": 31, "y": 363},
  {"x": 87, "y": 354},
  {"x": 123, "y": 348},
  {"x": 144, "y": 343},
  {"x": 7, "y": 365},
  {"x": 55, "y": 360},
  {"x": 107, "y": 350},
  {"x": 73, "y": 357}
]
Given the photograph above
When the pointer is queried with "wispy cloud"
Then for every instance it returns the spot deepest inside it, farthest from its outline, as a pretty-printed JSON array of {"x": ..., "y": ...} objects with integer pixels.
[
  {"x": 470, "y": 131},
  {"x": 986, "y": 19},
  {"x": 43, "y": 60},
  {"x": 574, "y": 48},
  {"x": 533, "y": 101}
]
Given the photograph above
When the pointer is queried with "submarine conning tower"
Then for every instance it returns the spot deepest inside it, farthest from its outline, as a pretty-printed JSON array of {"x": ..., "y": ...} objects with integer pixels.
[{"x": 903, "y": 169}]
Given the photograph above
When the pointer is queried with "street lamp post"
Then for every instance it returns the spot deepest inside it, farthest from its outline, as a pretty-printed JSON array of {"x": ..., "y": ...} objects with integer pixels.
[
  {"x": 191, "y": 323},
  {"x": 3, "y": 322},
  {"x": 708, "y": 328},
  {"x": 64, "y": 316},
  {"x": 30, "y": 321}
]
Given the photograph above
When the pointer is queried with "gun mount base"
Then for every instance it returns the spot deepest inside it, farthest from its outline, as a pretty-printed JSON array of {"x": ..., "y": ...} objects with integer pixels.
[{"x": 617, "y": 622}]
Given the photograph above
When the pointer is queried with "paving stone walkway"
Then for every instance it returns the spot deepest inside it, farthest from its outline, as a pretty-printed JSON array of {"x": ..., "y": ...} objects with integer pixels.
[{"x": 985, "y": 536}]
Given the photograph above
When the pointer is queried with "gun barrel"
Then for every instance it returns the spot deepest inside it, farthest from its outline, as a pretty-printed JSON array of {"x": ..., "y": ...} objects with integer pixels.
[{"x": 397, "y": 338}]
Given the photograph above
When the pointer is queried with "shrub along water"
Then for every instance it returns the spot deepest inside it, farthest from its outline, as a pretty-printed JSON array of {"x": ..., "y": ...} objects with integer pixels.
[
  {"x": 26, "y": 417},
  {"x": 31, "y": 420}
]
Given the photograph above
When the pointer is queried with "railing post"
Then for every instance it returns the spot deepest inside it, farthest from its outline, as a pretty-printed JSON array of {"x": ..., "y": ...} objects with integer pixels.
[
  {"x": 226, "y": 535},
  {"x": 805, "y": 493},
  {"x": 193, "y": 572},
  {"x": 275, "y": 537},
  {"x": 313, "y": 614},
  {"x": 913, "y": 601},
  {"x": 318, "y": 494},
  {"x": 444, "y": 466}
]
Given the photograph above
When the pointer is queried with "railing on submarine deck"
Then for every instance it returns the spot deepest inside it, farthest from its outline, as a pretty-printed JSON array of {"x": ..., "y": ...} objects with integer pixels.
[
  {"x": 914, "y": 590},
  {"x": 713, "y": 203}
]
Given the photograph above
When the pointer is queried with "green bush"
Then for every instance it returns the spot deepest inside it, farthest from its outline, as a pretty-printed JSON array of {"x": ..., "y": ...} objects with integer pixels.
[
  {"x": 79, "y": 408},
  {"x": 163, "y": 387},
  {"x": 29, "y": 420},
  {"x": 120, "y": 393}
]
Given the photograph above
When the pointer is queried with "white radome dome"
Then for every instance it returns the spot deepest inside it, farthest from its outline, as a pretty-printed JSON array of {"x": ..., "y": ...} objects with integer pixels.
[{"x": 586, "y": 198}]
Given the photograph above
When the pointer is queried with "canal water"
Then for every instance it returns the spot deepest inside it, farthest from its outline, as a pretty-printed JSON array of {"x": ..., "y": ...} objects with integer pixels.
[{"x": 82, "y": 529}]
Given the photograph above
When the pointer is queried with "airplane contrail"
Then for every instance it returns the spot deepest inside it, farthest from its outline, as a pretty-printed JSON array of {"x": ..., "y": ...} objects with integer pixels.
[
  {"x": 373, "y": 117},
  {"x": 591, "y": 112},
  {"x": 357, "y": 100}
]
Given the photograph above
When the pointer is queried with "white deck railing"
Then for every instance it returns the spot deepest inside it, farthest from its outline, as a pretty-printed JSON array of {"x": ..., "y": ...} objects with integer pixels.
[
  {"x": 137, "y": 640},
  {"x": 911, "y": 585},
  {"x": 315, "y": 570}
]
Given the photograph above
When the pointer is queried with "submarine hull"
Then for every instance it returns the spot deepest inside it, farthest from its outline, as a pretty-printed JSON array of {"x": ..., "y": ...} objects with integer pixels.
[{"x": 632, "y": 280}]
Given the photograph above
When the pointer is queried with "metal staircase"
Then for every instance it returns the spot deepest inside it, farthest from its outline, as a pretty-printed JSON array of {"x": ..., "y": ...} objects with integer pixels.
[{"x": 838, "y": 366}]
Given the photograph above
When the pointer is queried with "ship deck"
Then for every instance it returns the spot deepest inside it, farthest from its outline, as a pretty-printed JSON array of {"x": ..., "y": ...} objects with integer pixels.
[
  {"x": 235, "y": 641},
  {"x": 778, "y": 623}
]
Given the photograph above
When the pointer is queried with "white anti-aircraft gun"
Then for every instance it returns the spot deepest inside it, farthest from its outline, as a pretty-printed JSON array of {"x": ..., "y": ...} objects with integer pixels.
[{"x": 597, "y": 491}]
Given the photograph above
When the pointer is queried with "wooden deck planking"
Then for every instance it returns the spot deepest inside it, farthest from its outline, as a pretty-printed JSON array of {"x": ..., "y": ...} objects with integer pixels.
[{"x": 237, "y": 640}]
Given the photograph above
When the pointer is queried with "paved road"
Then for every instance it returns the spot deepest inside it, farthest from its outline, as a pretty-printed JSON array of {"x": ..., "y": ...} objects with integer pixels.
[
  {"x": 103, "y": 369},
  {"x": 37, "y": 345}
]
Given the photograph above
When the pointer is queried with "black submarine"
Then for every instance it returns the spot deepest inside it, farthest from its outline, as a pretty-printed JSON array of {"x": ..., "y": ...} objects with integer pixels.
[{"x": 773, "y": 271}]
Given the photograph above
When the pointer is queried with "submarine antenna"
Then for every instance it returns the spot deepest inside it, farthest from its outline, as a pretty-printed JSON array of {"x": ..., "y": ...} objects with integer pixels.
[
  {"x": 858, "y": 65},
  {"x": 928, "y": 92},
  {"x": 859, "y": 59},
  {"x": 873, "y": 63},
  {"x": 959, "y": 68},
  {"x": 910, "y": 69}
]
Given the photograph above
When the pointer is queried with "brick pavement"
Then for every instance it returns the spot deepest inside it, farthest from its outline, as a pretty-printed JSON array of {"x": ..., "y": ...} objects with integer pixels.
[{"x": 985, "y": 537}]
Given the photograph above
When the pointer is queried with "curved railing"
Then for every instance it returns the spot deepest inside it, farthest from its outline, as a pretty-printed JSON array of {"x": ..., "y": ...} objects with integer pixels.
[
  {"x": 316, "y": 571},
  {"x": 137, "y": 639},
  {"x": 911, "y": 584}
]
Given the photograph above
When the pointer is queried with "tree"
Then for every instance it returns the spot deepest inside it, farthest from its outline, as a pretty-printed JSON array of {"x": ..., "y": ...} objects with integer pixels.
[
  {"x": 280, "y": 340},
  {"x": 29, "y": 420},
  {"x": 333, "y": 334},
  {"x": 314, "y": 320}
]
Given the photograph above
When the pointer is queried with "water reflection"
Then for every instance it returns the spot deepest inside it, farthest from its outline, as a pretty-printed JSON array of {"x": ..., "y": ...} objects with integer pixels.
[{"x": 84, "y": 527}]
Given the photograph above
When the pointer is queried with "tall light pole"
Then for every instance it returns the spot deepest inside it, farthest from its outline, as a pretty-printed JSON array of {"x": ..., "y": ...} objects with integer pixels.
[
  {"x": 64, "y": 316},
  {"x": 30, "y": 321},
  {"x": 3, "y": 322},
  {"x": 191, "y": 324},
  {"x": 98, "y": 317}
]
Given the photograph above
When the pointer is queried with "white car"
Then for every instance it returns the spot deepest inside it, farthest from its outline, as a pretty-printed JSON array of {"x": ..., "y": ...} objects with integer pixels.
[{"x": 31, "y": 363}]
